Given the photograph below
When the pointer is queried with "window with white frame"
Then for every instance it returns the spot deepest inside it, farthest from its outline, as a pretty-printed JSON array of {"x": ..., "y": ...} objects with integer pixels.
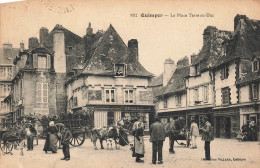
[
  {"x": 206, "y": 93},
  {"x": 41, "y": 92},
  {"x": 120, "y": 69},
  {"x": 110, "y": 95},
  {"x": 196, "y": 95},
  {"x": 41, "y": 61},
  {"x": 129, "y": 96}
]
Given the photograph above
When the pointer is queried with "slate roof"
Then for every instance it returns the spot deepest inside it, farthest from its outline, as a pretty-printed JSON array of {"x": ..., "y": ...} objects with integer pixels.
[
  {"x": 177, "y": 83},
  {"x": 245, "y": 40},
  {"x": 212, "y": 49},
  {"x": 250, "y": 77},
  {"x": 157, "y": 81},
  {"x": 7, "y": 55},
  {"x": 110, "y": 49}
]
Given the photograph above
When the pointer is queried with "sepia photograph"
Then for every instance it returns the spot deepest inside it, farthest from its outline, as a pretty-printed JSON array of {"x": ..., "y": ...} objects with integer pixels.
[{"x": 131, "y": 83}]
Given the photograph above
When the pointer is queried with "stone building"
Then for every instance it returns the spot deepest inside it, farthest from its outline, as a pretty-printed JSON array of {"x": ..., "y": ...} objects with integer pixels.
[
  {"x": 7, "y": 53},
  {"x": 223, "y": 80},
  {"x": 112, "y": 84},
  {"x": 236, "y": 77},
  {"x": 41, "y": 72},
  {"x": 172, "y": 99}
]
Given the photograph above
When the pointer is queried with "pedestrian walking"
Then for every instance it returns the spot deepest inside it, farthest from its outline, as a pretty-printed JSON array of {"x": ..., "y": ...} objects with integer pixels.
[
  {"x": 65, "y": 142},
  {"x": 194, "y": 131},
  {"x": 22, "y": 135},
  {"x": 157, "y": 136},
  {"x": 51, "y": 139},
  {"x": 171, "y": 131},
  {"x": 30, "y": 133},
  {"x": 138, "y": 132},
  {"x": 207, "y": 136}
]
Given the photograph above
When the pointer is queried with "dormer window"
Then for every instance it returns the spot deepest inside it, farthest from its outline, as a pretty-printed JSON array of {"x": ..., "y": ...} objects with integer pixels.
[
  {"x": 120, "y": 69},
  {"x": 41, "y": 61},
  {"x": 255, "y": 65},
  {"x": 197, "y": 69}
]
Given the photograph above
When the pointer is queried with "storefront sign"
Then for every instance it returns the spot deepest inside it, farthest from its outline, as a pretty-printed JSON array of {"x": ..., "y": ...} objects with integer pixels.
[{"x": 247, "y": 110}]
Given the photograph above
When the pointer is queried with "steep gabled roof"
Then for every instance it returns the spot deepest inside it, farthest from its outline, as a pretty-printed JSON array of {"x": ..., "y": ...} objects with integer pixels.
[
  {"x": 213, "y": 47},
  {"x": 110, "y": 49},
  {"x": 245, "y": 40},
  {"x": 7, "y": 55},
  {"x": 177, "y": 83}
]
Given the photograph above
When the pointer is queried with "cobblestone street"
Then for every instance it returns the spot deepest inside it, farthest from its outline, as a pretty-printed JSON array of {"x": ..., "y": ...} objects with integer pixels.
[{"x": 86, "y": 156}]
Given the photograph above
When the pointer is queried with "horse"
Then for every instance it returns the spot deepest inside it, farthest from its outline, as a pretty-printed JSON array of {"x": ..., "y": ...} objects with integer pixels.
[{"x": 117, "y": 133}]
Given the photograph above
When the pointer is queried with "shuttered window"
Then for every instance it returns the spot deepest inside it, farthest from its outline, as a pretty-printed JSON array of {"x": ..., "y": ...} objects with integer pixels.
[
  {"x": 206, "y": 93},
  {"x": 225, "y": 96},
  {"x": 224, "y": 72},
  {"x": 35, "y": 61},
  {"x": 48, "y": 62},
  {"x": 255, "y": 91},
  {"x": 41, "y": 92}
]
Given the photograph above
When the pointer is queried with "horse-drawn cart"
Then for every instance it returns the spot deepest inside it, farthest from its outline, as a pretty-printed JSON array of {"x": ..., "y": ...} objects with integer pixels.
[
  {"x": 78, "y": 128},
  {"x": 7, "y": 141}
]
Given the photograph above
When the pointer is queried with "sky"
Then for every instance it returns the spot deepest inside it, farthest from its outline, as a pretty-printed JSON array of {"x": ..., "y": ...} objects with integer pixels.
[{"x": 159, "y": 38}]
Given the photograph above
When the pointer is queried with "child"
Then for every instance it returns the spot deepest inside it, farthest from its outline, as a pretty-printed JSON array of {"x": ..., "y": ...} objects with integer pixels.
[{"x": 239, "y": 136}]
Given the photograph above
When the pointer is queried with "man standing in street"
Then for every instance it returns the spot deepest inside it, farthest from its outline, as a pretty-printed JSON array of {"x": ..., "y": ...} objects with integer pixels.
[
  {"x": 65, "y": 142},
  {"x": 170, "y": 128},
  {"x": 138, "y": 132},
  {"x": 207, "y": 136},
  {"x": 157, "y": 136}
]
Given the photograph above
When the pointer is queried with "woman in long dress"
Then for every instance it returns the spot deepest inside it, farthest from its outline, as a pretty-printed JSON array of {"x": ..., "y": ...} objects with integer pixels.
[
  {"x": 51, "y": 140},
  {"x": 138, "y": 132}
]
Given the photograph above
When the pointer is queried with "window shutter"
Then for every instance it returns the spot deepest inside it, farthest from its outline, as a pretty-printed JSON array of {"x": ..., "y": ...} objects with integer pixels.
[
  {"x": 35, "y": 61},
  {"x": 192, "y": 71},
  {"x": 250, "y": 92},
  {"x": 222, "y": 73},
  {"x": 257, "y": 91},
  {"x": 227, "y": 69},
  {"x": 48, "y": 62},
  {"x": 22, "y": 88}
]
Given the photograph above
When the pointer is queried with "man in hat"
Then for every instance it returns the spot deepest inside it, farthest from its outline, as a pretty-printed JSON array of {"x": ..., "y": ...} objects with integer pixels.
[
  {"x": 65, "y": 141},
  {"x": 171, "y": 130},
  {"x": 207, "y": 136},
  {"x": 157, "y": 136}
]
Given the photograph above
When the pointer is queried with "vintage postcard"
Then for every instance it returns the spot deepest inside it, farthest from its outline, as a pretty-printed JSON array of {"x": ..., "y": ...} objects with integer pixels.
[{"x": 118, "y": 84}]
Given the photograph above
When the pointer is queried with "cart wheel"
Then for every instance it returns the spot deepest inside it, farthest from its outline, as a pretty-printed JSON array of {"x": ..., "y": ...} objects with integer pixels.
[
  {"x": 7, "y": 147},
  {"x": 77, "y": 139}
]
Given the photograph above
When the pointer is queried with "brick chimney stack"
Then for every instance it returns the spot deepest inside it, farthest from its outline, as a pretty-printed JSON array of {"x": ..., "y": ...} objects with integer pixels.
[
  {"x": 133, "y": 48},
  {"x": 21, "y": 46},
  {"x": 33, "y": 43},
  {"x": 43, "y": 33}
]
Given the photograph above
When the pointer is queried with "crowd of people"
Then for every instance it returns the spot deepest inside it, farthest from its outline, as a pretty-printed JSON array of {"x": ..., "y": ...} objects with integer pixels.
[{"x": 158, "y": 132}]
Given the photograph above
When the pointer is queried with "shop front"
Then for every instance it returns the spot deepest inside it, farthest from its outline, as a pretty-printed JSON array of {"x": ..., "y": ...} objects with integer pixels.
[
  {"x": 249, "y": 116},
  {"x": 106, "y": 115},
  {"x": 226, "y": 122}
]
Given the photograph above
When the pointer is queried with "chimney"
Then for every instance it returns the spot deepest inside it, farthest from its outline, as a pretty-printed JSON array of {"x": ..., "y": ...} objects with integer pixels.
[
  {"x": 7, "y": 46},
  {"x": 33, "y": 43},
  {"x": 43, "y": 33},
  {"x": 21, "y": 46},
  {"x": 183, "y": 62},
  {"x": 133, "y": 48},
  {"x": 59, "y": 49},
  {"x": 89, "y": 29},
  {"x": 193, "y": 58},
  {"x": 169, "y": 68},
  {"x": 207, "y": 34},
  {"x": 237, "y": 19}
]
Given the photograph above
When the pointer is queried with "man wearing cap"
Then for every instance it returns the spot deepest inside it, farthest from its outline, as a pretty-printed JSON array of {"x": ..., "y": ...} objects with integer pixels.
[
  {"x": 138, "y": 132},
  {"x": 157, "y": 136},
  {"x": 65, "y": 141},
  {"x": 207, "y": 136}
]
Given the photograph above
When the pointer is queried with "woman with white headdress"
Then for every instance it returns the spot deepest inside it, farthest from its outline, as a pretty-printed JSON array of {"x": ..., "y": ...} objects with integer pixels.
[{"x": 51, "y": 140}]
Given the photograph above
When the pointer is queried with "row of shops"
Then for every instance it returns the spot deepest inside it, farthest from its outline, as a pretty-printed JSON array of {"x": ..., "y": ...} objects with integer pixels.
[{"x": 226, "y": 121}]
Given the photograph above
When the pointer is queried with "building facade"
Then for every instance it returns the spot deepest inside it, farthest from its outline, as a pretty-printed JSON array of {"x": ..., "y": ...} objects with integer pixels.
[
  {"x": 7, "y": 53},
  {"x": 112, "y": 84}
]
